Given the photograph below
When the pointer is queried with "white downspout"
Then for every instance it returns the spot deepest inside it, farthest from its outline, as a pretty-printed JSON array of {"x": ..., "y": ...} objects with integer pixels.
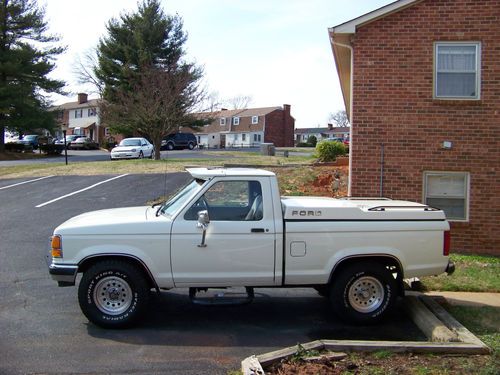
[{"x": 351, "y": 84}]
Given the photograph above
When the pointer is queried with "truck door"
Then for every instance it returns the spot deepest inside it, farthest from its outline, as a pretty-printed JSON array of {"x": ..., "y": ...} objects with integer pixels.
[{"x": 240, "y": 238}]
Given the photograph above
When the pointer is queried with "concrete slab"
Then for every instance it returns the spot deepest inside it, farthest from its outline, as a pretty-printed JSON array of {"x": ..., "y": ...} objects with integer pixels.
[{"x": 468, "y": 298}]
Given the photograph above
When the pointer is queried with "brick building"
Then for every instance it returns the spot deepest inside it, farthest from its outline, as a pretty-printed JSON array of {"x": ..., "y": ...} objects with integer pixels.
[
  {"x": 421, "y": 85},
  {"x": 247, "y": 127}
]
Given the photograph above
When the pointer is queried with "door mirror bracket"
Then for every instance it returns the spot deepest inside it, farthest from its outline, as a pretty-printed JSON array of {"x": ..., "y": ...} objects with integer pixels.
[{"x": 203, "y": 221}]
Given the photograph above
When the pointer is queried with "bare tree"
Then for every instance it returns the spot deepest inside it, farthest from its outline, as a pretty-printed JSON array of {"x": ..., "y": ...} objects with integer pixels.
[
  {"x": 84, "y": 71},
  {"x": 238, "y": 102},
  {"x": 339, "y": 118},
  {"x": 213, "y": 101},
  {"x": 159, "y": 102}
]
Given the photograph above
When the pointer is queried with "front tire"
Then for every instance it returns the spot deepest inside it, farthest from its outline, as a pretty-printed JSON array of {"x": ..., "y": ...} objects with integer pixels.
[
  {"x": 141, "y": 155},
  {"x": 170, "y": 146},
  {"x": 113, "y": 294},
  {"x": 363, "y": 292},
  {"x": 191, "y": 145}
]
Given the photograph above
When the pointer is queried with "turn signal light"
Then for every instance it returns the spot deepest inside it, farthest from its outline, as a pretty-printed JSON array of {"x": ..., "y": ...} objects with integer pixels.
[{"x": 56, "y": 245}]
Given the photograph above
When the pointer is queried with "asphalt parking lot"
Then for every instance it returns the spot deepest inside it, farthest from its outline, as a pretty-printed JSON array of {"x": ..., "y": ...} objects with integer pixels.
[{"x": 42, "y": 328}]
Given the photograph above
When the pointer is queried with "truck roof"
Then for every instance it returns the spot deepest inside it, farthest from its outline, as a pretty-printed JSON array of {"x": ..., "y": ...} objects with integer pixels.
[{"x": 207, "y": 173}]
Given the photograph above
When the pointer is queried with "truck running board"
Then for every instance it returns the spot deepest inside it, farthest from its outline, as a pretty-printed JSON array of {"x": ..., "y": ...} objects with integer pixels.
[{"x": 221, "y": 296}]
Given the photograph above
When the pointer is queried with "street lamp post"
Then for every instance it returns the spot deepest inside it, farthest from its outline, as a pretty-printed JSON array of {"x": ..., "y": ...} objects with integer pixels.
[{"x": 65, "y": 148}]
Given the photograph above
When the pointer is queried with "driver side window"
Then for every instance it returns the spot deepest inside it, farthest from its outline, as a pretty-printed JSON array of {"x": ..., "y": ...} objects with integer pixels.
[{"x": 230, "y": 201}]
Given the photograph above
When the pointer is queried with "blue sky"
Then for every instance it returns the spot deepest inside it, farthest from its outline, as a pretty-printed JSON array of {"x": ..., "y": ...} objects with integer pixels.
[{"x": 276, "y": 51}]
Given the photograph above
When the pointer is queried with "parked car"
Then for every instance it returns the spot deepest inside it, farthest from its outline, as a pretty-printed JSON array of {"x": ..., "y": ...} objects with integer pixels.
[
  {"x": 133, "y": 148},
  {"x": 69, "y": 139},
  {"x": 83, "y": 143},
  {"x": 29, "y": 140},
  {"x": 178, "y": 141}
]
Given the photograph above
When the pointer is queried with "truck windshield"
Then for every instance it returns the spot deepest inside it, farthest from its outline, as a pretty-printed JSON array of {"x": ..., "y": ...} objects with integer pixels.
[{"x": 179, "y": 199}]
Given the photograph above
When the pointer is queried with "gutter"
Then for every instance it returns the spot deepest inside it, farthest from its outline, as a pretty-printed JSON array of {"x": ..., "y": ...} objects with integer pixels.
[{"x": 351, "y": 85}]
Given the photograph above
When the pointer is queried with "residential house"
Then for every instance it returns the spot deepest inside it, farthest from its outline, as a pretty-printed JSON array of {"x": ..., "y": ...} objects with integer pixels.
[
  {"x": 81, "y": 117},
  {"x": 301, "y": 135},
  {"x": 420, "y": 81},
  {"x": 246, "y": 127}
]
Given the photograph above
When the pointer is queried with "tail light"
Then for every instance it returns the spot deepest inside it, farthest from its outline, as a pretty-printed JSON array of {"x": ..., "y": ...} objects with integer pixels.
[
  {"x": 56, "y": 246},
  {"x": 446, "y": 243}
]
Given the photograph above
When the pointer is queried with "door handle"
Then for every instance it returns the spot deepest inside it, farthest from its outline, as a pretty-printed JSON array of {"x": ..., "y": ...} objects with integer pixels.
[{"x": 257, "y": 230}]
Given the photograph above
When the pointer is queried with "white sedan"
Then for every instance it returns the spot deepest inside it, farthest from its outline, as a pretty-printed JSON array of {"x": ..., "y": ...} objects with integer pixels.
[{"x": 133, "y": 148}]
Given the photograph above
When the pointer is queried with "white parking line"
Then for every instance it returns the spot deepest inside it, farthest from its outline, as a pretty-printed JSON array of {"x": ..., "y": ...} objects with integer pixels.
[
  {"x": 81, "y": 190},
  {"x": 25, "y": 182}
]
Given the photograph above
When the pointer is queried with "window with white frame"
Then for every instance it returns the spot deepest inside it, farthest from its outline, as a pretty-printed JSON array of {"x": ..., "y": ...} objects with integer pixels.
[
  {"x": 255, "y": 120},
  {"x": 236, "y": 120},
  {"x": 457, "y": 68},
  {"x": 243, "y": 137},
  {"x": 448, "y": 191},
  {"x": 92, "y": 112},
  {"x": 78, "y": 113},
  {"x": 222, "y": 121}
]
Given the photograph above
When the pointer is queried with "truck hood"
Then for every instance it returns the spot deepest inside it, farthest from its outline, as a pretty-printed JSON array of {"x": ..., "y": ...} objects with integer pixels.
[{"x": 126, "y": 221}]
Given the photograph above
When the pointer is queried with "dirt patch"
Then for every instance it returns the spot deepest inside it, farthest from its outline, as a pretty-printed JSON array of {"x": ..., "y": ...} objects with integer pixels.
[
  {"x": 330, "y": 182},
  {"x": 387, "y": 363}
]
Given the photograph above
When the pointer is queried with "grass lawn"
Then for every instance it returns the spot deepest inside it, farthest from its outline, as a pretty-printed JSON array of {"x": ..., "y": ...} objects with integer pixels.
[{"x": 474, "y": 273}]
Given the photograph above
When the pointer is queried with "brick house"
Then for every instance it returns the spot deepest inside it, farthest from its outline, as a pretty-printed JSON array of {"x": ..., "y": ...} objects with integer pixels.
[
  {"x": 80, "y": 117},
  {"x": 330, "y": 132},
  {"x": 247, "y": 127},
  {"x": 421, "y": 85}
]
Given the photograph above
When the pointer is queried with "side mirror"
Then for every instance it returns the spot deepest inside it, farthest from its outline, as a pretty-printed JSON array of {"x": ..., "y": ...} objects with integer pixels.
[{"x": 203, "y": 221}]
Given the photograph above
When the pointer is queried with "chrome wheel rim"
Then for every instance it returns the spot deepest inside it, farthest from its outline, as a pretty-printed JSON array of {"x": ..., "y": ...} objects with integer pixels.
[
  {"x": 113, "y": 295},
  {"x": 366, "y": 294}
]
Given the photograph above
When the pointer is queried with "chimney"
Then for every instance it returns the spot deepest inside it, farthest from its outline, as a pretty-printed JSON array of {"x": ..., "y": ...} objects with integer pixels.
[
  {"x": 286, "y": 108},
  {"x": 330, "y": 126},
  {"x": 82, "y": 98}
]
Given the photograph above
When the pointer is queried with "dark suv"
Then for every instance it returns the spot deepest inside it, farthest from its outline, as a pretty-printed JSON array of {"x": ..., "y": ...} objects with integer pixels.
[{"x": 179, "y": 140}]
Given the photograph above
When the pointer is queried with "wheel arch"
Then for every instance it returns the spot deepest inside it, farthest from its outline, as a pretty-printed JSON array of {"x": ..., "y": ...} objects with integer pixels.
[
  {"x": 386, "y": 260},
  {"x": 89, "y": 261}
]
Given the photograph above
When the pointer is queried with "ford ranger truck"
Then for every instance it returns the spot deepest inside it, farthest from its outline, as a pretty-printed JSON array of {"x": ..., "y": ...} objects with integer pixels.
[{"x": 230, "y": 228}]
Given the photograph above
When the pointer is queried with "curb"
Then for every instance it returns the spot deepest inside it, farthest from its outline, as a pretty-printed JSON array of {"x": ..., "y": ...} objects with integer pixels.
[{"x": 446, "y": 336}]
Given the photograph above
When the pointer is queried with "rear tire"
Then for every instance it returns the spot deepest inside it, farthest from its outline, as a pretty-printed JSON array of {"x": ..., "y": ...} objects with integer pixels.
[
  {"x": 113, "y": 294},
  {"x": 191, "y": 145},
  {"x": 170, "y": 146},
  {"x": 363, "y": 292}
]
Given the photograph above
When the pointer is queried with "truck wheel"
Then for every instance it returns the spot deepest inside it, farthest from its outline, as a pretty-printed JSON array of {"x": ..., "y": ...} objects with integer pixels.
[
  {"x": 113, "y": 294},
  {"x": 170, "y": 146},
  {"x": 363, "y": 292}
]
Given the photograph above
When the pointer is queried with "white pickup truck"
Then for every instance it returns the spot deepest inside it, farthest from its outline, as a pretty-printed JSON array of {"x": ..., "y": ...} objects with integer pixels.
[{"x": 231, "y": 228}]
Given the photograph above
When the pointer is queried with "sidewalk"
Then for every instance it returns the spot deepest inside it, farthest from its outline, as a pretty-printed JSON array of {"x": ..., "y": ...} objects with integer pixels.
[{"x": 469, "y": 299}]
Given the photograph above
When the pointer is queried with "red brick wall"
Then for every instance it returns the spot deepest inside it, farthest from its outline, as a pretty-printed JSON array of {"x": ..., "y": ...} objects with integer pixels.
[
  {"x": 393, "y": 104},
  {"x": 279, "y": 128}
]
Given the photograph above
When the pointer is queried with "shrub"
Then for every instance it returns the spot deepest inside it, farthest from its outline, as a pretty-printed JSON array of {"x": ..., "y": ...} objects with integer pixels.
[
  {"x": 17, "y": 147},
  {"x": 52, "y": 149},
  {"x": 312, "y": 140},
  {"x": 329, "y": 150},
  {"x": 303, "y": 144}
]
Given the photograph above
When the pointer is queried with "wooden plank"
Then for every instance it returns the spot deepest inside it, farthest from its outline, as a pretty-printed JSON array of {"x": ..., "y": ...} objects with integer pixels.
[
  {"x": 431, "y": 326},
  {"x": 276, "y": 356},
  {"x": 405, "y": 346}
]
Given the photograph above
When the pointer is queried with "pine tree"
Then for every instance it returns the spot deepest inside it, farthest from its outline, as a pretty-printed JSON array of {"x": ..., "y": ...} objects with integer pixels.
[
  {"x": 27, "y": 55},
  {"x": 140, "y": 65}
]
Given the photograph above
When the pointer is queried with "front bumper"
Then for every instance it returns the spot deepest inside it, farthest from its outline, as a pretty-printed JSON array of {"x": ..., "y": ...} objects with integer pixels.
[
  {"x": 64, "y": 274},
  {"x": 125, "y": 155}
]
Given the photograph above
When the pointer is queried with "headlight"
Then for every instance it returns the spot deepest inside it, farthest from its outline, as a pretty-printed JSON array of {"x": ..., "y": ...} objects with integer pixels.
[
  {"x": 56, "y": 246},
  {"x": 134, "y": 150}
]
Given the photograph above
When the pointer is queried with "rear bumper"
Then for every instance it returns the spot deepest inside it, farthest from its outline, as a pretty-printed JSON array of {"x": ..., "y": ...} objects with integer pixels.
[
  {"x": 450, "y": 268},
  {"x": 64, "y": 274}
]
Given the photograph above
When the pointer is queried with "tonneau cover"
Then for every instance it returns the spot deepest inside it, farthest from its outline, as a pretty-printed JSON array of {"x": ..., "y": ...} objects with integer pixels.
[{"x": 320, "y": 208}]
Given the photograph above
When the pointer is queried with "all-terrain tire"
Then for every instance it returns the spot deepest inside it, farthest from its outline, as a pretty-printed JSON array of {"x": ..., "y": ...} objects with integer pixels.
[
  {"x": 113, "y": 294},
  {"x": 363, "y": 292}
]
